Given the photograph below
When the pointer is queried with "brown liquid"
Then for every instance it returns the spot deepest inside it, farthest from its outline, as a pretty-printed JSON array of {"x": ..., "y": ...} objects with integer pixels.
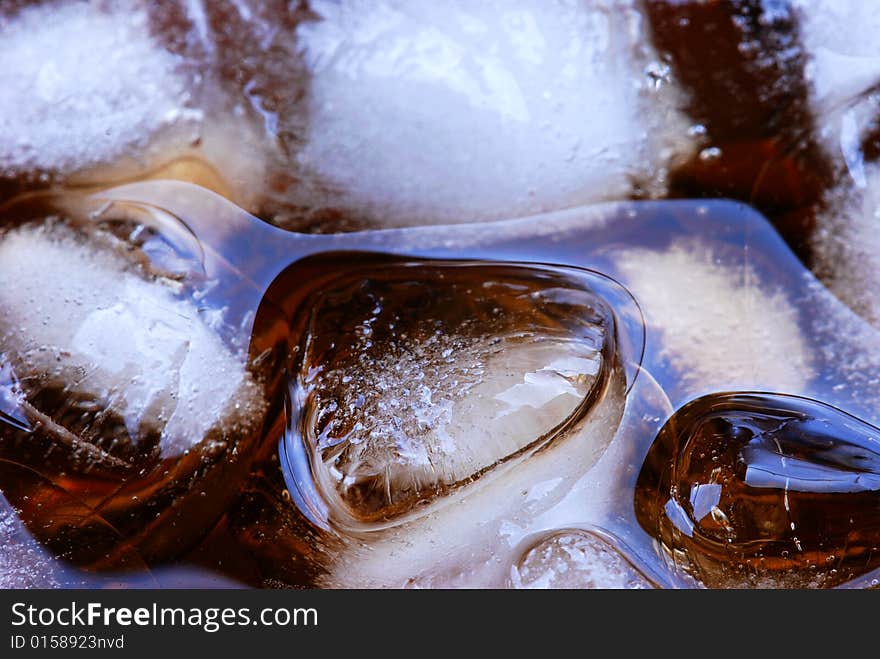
[
  {"x": 743, "y": 69},
  {"x": 104, "y": 500},
  {"x": 744, "y": 490}
]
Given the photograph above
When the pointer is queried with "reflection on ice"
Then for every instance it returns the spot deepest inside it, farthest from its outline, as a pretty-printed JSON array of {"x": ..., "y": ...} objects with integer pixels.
[
  {"x": 750, "y": 490},
  {"x": 417, "y": 379},
  {"x": 714, "y": 279}
]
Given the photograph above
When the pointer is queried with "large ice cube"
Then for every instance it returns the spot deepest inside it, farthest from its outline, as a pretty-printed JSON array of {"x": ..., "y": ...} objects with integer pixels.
[
  {"x": 80, "y": 319},
  {"x": 421, "y": 112},
  {"x": 418, "y": 379}
]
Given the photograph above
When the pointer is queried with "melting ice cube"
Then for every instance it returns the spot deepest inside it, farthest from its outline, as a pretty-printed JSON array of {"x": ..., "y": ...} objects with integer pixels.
[{"x": 417, "y": 379}]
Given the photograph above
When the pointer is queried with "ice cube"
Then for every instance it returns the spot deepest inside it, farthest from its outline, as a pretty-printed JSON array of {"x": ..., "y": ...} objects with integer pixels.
[
  {"x": 93, "y": 95},
  {"x": 844, "y": 55},
  {"x": 425, "y": 113},
  {"x": 83, "y": 84},
  {"x": 746, "y": 490},
  {"x": 575, "y": 559},
  {"x": 420, "y": 378},
  {"x": 726, "y": 328},
  {"x": 847, "y": 243},
  {"x": 81, "y": 321},
  {"x": 843, "y": 70}
]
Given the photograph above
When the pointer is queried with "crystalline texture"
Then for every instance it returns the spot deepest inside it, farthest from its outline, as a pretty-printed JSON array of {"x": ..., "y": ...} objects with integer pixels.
[
  {"x": 82, "y": 85},
  {"x": 427, "y": 113},
  {"x": 417, "y": 379}
]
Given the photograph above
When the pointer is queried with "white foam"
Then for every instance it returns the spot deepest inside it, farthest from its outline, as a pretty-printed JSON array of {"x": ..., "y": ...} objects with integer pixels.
[
  {"x": 78, "y": 316},
  {"x": 82, "y": 83},
  {"x": 426, "y": 112}
]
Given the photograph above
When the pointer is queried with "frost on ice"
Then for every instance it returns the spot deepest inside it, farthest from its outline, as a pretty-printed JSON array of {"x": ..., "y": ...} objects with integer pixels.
[
  {"x": 727, "y": 330},
  {"x": 843, "y": 71},
  {"x": 82, "y": 86},
  {"x": 81, "y": 320},
  {"x": 840, "y": 38},
  {"x": 575, "y": 559},
  {"x": 421, "y": 112}
]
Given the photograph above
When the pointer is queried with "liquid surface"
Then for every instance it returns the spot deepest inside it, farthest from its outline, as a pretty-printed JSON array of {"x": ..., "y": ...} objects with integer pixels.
[
  {"x": 761, "y": 489},
  {"x": 192, "y": 394}
]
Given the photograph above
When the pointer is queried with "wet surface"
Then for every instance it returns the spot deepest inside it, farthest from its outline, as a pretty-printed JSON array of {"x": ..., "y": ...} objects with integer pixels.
[{"x": 625, "y": 335}]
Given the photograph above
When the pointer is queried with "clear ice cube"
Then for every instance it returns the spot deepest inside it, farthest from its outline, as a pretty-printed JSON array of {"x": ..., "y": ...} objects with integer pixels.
[{"x": 417, "y": 379}]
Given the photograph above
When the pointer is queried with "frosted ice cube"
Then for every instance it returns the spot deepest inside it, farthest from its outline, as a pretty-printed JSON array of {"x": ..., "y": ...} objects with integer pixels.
[
  {"x": 83, "y": 83},
  {"x": 575, "y": 559},
  {"x": 419, "y": 112},
  {"x": 844, "y": 69},
  {"x": 81, "y": 319},
  {"x": 728, "y": 330},
  {"x": 840, "y": 37},
  {"x": 847, "y": 243},
  {"x": 843, "y": 66},
  {"x": 92, "y": 94}
]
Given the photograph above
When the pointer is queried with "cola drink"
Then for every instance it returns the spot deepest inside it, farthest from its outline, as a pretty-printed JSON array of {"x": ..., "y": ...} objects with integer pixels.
[{"x": 338, "y": 294}]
